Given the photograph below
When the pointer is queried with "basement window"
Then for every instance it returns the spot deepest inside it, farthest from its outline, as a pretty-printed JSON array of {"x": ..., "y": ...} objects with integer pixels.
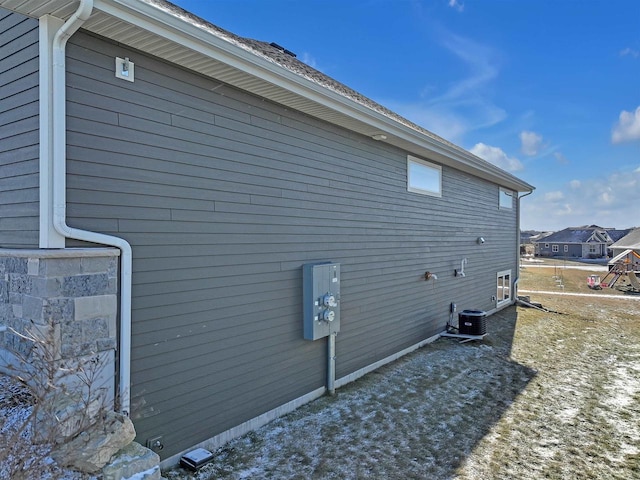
[
  {"x": 503, "y": 293},
  {"x": 424, "y": 177}
]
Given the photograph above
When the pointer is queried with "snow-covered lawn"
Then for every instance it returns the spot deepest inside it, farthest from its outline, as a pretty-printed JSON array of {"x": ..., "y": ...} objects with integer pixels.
[{"x": 543, "y": 396}]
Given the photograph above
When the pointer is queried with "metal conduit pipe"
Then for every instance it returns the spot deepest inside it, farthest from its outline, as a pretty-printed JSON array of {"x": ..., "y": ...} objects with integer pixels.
[
  {"x": 331, "y": 363},
  {"x": 58, "y": 196}
]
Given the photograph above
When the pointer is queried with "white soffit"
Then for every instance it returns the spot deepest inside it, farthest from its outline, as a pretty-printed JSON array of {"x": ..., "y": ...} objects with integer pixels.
[{"x": 37, "y": 8}]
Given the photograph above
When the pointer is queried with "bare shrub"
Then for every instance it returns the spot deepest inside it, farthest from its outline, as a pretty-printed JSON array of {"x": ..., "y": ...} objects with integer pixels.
[{"x": 46, "y": 402}]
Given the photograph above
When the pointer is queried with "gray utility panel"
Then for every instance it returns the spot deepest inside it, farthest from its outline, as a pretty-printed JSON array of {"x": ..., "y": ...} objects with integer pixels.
[{"x": 321, "y": 299}]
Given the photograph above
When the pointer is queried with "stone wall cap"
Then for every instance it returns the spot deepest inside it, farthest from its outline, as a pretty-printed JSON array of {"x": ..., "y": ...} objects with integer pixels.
[{"x": 59, "y": 252}]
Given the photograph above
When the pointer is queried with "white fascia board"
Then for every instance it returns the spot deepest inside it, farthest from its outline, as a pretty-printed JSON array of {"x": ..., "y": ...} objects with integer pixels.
[
  {"x": 179, "y": 31},
  {"x": 183, "y": 33}
]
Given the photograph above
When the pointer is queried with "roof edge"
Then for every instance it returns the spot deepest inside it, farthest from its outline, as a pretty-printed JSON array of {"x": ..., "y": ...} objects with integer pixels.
[{"x": 164, "y": 19}]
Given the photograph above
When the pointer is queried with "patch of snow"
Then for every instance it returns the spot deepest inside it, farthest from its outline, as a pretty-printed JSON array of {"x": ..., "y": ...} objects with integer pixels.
[
  {"x": 15, "y": 415},
  {"x": 145, "y": 474},
  {"x": 624, "y": 386}
]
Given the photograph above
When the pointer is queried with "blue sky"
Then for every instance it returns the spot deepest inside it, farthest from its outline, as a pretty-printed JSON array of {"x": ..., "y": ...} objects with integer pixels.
[{"x": 547, "y": 90}]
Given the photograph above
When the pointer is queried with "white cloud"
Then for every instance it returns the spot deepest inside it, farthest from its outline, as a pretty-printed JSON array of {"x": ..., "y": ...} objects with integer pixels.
[
  {"x": 631, "y": 52},
  {"x": 531, "y": 142},
  {"x": 497, "y": 156},
  {"x": 439, "y": 121},
  {"x": 561, "y": 158},
  {"x": 607, "y": 197},
  {"x": 444, "y": 121},
  {"x": 554, "y": 196},
  {"x": 457, "y": 5},
  {"x": 309, "y": 60},
  {"x": 480, "y": 60},
  {"x": 628, "y": 127},
  {"x": 606, "y": 201},
  {"x": 465, "y": 105}
]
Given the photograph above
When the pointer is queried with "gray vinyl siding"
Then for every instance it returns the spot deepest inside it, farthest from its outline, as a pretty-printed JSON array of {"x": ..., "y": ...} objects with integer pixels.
[
  {"x": 574, "y": 250},
  {"x": 18, "y": 131},
  {"x": 224, "y": 196}
]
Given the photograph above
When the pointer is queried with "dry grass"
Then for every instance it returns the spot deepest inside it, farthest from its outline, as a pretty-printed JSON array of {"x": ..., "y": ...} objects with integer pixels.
[
  {"x": 543, "y": 396},
  {"x": 578, "y": 418},
  {"x": 557, "y": 272}
]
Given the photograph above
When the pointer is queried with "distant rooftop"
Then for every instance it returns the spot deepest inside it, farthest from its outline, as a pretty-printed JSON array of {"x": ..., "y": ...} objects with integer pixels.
[
  {"x": 582, "y": 234},
  {"x": 630, "y": 241}
]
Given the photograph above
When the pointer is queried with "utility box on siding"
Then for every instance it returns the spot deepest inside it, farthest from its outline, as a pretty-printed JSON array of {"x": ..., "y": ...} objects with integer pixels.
[{"x": 320, "y": 299}]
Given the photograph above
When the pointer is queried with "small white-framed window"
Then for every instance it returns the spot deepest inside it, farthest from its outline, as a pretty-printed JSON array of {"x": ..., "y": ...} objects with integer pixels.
[
  {"x": 546, "y": 245},
  {"x": 566, "y": 248},
  {"x": 555, "y": 248},
  {"x": 424, "y": 177},
  {"x": 503, "y": 291},
  {"x": 506, "y": 199},
  {"x": 593, "y": 248}
]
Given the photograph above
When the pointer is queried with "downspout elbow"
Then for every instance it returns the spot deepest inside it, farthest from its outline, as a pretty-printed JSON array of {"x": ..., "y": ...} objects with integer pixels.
[{"x": 72, "y": 25}]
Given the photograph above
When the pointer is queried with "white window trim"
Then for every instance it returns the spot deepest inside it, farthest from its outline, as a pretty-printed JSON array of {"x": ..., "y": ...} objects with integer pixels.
[
  {"x": 501, "y": 193},
  {"x": 499, "y": 301},
  {"x": 565, "y": 248},
  {"x": 429, "y": 165}
]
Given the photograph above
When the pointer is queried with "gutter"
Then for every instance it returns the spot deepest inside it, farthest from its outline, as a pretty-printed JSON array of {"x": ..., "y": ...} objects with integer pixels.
[{"x": 57, "y": 118}]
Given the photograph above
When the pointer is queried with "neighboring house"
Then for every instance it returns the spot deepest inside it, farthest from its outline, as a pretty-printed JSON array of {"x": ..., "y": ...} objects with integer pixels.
[
  {"x": 538, "y": 236},
  {"x": 589, "y": 241},
  {"x": 218, "y": 166},
  {"x": 627, "y": 248},
  {"x": 527, "y": 240},
  {"x": 526, "y": 235}
]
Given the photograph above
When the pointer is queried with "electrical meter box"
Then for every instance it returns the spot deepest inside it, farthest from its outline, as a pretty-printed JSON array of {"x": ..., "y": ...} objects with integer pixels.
[{"x": 320, "y": 299}]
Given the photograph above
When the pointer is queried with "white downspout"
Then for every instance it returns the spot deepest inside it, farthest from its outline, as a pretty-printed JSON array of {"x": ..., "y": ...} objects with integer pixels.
[
  {"x": 59, "y": 195},
  {"x": 517, "y": 280}
]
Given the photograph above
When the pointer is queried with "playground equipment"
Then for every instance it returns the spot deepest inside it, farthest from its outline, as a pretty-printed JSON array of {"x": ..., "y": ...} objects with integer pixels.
[
  {"x": 616, "y": 271},
  {"x": 626, "y": 264}
]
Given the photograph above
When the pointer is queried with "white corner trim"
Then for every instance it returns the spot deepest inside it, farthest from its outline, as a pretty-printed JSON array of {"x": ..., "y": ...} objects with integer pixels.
[{"x": 49, "y": 236}]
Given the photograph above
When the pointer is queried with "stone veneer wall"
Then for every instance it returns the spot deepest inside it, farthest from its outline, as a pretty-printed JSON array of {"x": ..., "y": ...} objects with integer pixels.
[{"x": 74, "y": 292}]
